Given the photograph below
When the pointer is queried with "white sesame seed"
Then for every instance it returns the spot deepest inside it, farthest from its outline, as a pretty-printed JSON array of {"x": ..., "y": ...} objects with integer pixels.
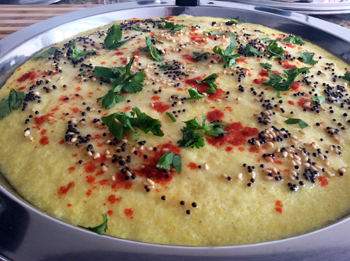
[
  {"x": 150, "y": 148},
  {"x": 74, "y": 139},
  {"x": 150, "y": 182},
  {"x": 97, "y": 155},
  {"x": 89, "y": 153},
  {"x": 26, "y": 133},
  {"x": 206, "y": 166},
  {"x": 113, "y": 178},
  {"x": 240, "y": 176},
  {"x": 165, "y": 149},
  {"x": 104, "y": 168}
]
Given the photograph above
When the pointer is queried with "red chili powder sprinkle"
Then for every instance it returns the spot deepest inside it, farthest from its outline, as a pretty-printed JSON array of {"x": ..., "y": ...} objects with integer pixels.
[
  {"x": 323, "y": 180},
  {"x": 89, "y": 167},
  {"x": 215, "y": 115},
  {"x": 110, "y": 212},
  {"x": 278, "y": 206},
  {"x": 89, "y": 192},
  {"x": 192, "y": 165},
  {"x": 160, "y": 107},
  {"x": 254, "y": 150},
  {"x": 90, "y": 179},
  {"x": 71, "y": 169},
  {"x": 44, "y": 140},
  {"x": 229, "y": 148},
  {"x": 128, "y": 212},
  {"x": 26, "y": 76},
  {"x": 156, "y": 98}
]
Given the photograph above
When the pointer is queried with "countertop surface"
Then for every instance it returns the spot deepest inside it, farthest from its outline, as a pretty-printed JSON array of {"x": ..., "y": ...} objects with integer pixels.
[{"x": 16, "y": 17}]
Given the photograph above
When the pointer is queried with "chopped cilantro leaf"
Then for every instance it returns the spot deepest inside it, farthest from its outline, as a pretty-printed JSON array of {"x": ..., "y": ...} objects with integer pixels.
[
  {"x": 308, "y": 58},
  {"x": 137, "y": 27},
  {"x": 169, "y": 159},
  {"x": 235, "y": 20},
  {"x": 194, "y": 125},
  {"x": 191, "y": 139},
  {"x": 112, "y": 40},
  {"x": 123, "y": 81},
  {"x": 228, "y": 56},
  {"x": 197, "y": 56},
  {"x": 250, "y": 51},
  {"x": 346, "y": 76},
  {"x": 278, "y": 95},
  {"x": 210, "y": 81},
  {"x": 153, "y": 50},
  {"x": 10, "y": 102},
  {"x": 163, "y": 67},
  {"x": 118, "y": 123},
  {"x": 319, "y": 99},
  {"x": 265, "y": 40},
  {"x": 77, "y": 53},
  {"x": 100, "y": 228},
  {"x": 275, "y": 79},
  {"x": 112, "y": 98},
  {"x": 293, "y": 40},
  {"x": 46, "y": 53},
  {"x": 194, "y": 94},
  {"x": 171, "y": 117},
  {"x": 211, "y": 33},
  {"x": 172, "y": 26},
  {"x": 266, "y": 65},
  {"x": 275, "y": 50},
  {"x": 301, "y": 123}
]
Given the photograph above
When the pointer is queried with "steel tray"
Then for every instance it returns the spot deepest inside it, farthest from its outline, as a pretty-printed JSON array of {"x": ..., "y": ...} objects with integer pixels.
[{"x": 26, "y": 233}]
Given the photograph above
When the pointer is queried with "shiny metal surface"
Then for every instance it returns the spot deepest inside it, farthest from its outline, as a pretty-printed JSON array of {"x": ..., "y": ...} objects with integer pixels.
[
  {"x": 315, "y": 7},
  {"x": 28, "y": 234},
  {"x": 28, "y": 2}
]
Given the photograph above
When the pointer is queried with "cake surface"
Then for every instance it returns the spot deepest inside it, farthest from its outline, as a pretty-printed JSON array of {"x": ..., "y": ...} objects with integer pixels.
[{"x": 268, "y": 163}]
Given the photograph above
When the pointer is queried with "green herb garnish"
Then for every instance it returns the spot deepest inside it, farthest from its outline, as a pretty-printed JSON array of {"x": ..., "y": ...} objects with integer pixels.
[
  {"x": 118, "y": 123},
  {"x": 235, "y": 20},
  {"x": 266, "y": 65},
  {"x": 153, "y": 50},
  {"x": 171, "y": 117},
  {"x": 278, "y": 95},
  {"x": 250, "y": 51},
  {"x": 275, "y": 79},
  {"x": 265, "y": 40},
  {"x": 228, "y": 56},
  {"x": 112, "y": 97},
  {"x": 197, "y": 56},
  {"x": 10, "y": 102},
  {"x": 211, "y": 33},
  {"x": 82, "y": 73},
  {"x": 210, "y": 81},
  {"x": 172, "y": 26},
  {"x": 137, "y": 27},
  {"x": 319, "y": 99},
  {"x": 346, "y": 76},
  {"x": 301, "y": 123},
  {"x": 293, "y": 40},
  {"x": 308, "y": 58},
  {"x": 164, "y": 67},
  {"x": 45, "y": 54},
  {"x": 194, "y": 94},
  {"x": 112, "y": 40},
  {"x": 100, "y": 228},
  {"x": 275, "y": 50},
  {"x": 191, "y": 139},
  {"x": 123, "y": 81},
  {"x": 170, "y": 159},
  {"x": 77, "y": 53}
]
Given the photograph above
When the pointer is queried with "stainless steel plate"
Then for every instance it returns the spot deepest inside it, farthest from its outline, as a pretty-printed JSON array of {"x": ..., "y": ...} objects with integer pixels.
[
  {"x": 315, "y": 7},
  {"x": 28, "y": 234}
]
